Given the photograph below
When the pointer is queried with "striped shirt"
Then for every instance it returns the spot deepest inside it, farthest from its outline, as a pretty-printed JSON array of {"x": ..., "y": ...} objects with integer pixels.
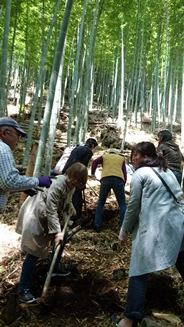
[{"x": 10, "y": 179}]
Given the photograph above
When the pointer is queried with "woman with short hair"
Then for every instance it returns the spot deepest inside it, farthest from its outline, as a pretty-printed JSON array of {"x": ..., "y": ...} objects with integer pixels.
[{"x": 39, "y": 221}]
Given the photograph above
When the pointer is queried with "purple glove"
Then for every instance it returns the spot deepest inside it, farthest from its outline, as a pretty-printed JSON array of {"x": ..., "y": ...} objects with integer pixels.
[{"x": 44, "y": 181}]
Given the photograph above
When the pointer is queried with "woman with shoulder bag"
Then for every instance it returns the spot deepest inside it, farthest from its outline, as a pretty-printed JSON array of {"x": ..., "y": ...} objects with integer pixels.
[{"x": 156, "y": 223}]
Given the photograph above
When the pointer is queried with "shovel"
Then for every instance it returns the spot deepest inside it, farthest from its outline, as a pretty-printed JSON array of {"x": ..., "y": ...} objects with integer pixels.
[{"x": 49, "y": 275}]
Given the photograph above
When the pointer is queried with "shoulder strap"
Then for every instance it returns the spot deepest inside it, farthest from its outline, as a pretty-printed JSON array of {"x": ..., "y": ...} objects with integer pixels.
[{"x": 165, "y": 184}]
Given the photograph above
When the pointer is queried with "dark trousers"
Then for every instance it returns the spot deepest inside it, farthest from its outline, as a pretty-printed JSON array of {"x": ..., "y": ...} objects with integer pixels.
[
  {"x": 137, "y": 291},
  {"x": 77, "y": 203},
  {"x": 178, "y": 175},
  {"x": 108, "y": 183},
  {"x": 29, "y": 264}
]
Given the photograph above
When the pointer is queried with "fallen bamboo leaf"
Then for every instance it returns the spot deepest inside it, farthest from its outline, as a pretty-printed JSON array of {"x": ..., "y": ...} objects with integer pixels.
[{"x": 167, "y": 316}]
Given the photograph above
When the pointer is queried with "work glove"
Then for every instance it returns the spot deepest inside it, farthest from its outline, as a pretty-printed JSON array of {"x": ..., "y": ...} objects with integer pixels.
[
  {"x": 45, "y": 181},
  {"x": 31, "y": 192},
  {"x": 123, "y": 236}
]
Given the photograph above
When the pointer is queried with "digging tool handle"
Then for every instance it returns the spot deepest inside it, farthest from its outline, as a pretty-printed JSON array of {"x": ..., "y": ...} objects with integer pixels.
[
  {"x": 39, "y": 189},
  {"x": 48, "y": 279},
  {"x": 92, "y": 189},
  {"x": 84, "y": 198}
]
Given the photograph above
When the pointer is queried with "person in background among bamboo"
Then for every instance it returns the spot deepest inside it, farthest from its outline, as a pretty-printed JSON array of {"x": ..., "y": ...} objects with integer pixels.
[
  {"x": 171, "y": 152},
  {"x": 39, "y": 221},
  {"x": 10, "y": 179},
  {"x": 113, "y": 177},
  {"x": 157, "y": 226}
]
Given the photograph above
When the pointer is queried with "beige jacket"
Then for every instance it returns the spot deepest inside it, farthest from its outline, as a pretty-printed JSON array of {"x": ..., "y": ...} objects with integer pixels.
[{"x": 40, "y": 216}]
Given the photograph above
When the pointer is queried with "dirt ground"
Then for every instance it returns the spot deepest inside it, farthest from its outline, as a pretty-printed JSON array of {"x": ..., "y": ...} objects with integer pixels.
[{"x": 97, "y": 286}]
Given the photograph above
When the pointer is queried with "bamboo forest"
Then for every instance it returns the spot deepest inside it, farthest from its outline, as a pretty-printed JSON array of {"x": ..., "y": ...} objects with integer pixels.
[
  {"x": 127, "y": 57},
  {"x": 110, "y": 71}
]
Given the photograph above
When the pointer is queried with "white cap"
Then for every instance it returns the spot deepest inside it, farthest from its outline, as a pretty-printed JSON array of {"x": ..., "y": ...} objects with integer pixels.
[{"x": 113, "y": 150}]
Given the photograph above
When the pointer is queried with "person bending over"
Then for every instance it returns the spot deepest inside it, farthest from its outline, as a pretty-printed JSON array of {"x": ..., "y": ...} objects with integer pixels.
[
  {"x": 114, "y": 177},
  {"x": 39, "y": 221}
]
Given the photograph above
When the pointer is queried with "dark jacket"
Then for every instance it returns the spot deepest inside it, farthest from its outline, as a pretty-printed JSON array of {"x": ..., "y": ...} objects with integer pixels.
[
  {"x": 172, "y": 154},
  {"x": 80, "y": 154}
]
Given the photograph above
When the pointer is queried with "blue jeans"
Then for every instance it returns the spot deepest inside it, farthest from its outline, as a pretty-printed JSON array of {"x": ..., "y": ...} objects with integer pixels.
[
  {"x": 29, "y": 265},
  {"x": 108, "y": 183},
  {"x": 136, "y": 297},
  {"x": 137, "y": 291}
]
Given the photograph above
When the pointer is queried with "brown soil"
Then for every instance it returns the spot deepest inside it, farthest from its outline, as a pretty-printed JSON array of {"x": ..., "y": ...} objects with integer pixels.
[{"x": 97, "y": 286}]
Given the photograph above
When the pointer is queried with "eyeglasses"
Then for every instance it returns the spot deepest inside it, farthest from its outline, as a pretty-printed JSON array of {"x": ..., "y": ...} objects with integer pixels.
[
  {"x": 19, "y": 135},
  {"x": 75, "y": 182}
]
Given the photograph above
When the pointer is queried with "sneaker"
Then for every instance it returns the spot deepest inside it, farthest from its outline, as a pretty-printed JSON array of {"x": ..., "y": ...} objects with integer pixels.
[
  {"x": 27, "y": 297},
  {"x": 97, "y": 229},
  {"x": 61, "y": 272}
]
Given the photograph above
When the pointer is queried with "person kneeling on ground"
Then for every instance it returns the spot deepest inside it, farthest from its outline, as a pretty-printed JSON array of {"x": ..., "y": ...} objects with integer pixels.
[{"x": 39, "y": 220}]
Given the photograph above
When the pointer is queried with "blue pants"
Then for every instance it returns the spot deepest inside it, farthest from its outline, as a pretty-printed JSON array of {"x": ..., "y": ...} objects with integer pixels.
[
  {"x": 137, "y": 291},
  {"x": 108, "y": 183},
  {"x": 29, "y": 265}
]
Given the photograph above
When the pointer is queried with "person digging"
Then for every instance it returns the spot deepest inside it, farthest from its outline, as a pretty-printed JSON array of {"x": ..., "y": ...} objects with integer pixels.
[{"x": 39, "y": 220}]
